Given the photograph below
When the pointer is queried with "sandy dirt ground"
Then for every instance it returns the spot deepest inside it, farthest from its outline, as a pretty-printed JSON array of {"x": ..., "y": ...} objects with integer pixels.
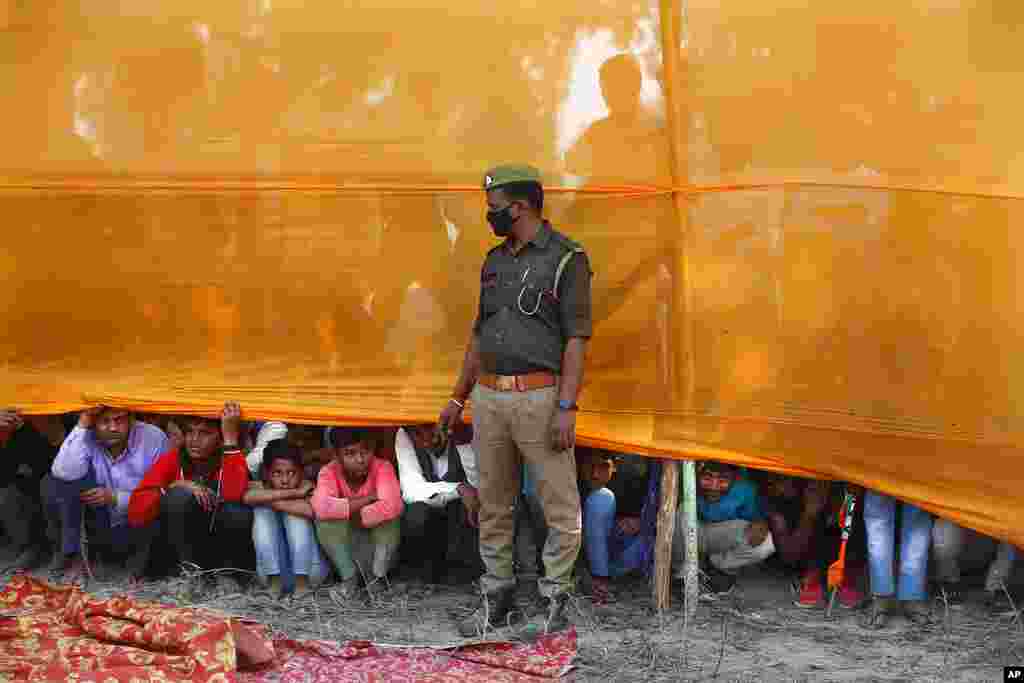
[{"x": 755, "y": 635}]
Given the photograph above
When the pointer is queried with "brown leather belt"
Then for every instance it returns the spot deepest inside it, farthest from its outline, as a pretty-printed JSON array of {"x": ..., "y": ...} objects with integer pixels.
[{"x": 535, "y": 380}]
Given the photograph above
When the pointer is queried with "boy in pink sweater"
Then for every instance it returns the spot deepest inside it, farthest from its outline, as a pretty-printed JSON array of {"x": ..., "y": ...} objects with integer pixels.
[{"x": 358, "y": 507}]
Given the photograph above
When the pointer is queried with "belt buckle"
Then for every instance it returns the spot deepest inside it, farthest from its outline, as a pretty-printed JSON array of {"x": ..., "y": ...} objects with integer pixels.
[{"x": 506, "y": 382}]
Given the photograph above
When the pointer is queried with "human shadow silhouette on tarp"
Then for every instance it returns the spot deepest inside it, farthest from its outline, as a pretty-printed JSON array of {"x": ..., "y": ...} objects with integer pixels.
[{"x": 627, "y": 147}]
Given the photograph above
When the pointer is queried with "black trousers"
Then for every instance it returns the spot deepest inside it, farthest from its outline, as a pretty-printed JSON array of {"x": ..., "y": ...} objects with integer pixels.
[
  {"x": 436, "y": 539},
  {"x": 824, "y": 546},
  {"x": 64, "y": 515},
  {"x": 210, "y": 540},
  {"x": 24, "y": 461},
  {"x": 21, "y": 516}
]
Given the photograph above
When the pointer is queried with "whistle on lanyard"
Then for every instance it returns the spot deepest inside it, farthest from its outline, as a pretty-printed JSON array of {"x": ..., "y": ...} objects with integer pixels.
[{"x": 522, "y": 291}]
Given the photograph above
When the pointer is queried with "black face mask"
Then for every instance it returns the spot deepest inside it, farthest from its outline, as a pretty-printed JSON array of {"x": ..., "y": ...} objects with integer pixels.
[{"x": 501, "y": 221}]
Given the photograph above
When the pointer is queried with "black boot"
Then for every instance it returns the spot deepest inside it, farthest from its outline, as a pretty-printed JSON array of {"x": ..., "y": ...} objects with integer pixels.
[
  {"x": 494, "y": 611},
  {"x": 551, "y": 618}
]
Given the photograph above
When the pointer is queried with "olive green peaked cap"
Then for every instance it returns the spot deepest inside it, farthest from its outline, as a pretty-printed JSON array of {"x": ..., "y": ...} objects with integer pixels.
[{"x": 510, "y": 173}]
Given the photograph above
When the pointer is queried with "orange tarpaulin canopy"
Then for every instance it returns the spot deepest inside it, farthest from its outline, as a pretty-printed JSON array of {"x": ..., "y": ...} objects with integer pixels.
[{"x": 799, "y": 218}]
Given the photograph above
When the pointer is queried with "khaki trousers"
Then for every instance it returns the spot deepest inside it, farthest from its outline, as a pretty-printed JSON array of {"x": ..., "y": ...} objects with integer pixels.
[
  {"x": 510, "y": 428},
  {"x": 355, "y": 551}
]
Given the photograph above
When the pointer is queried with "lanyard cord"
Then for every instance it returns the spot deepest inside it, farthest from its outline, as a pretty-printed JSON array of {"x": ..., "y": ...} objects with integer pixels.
[
  {"x": 220, "y": 478},
  {"x": 220, "y": 483}
]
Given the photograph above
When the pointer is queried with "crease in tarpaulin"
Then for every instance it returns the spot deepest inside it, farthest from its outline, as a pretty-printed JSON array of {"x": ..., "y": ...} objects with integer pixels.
[{"x": 185, "y": 185}]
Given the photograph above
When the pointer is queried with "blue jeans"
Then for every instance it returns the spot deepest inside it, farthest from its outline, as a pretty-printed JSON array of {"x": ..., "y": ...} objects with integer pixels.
[
  {"x": 915, "y": 543},
  {"x": 286, "y": 546},
  {"x": 609, "y": 552}
]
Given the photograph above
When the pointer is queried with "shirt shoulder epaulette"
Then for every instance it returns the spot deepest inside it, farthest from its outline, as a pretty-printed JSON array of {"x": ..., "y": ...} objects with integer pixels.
[
  {"x": 570, "y": 248},
  {"x": 566, "y": 242}
]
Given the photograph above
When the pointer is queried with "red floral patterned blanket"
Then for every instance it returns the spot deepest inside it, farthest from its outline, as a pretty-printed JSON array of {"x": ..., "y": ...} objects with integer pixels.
[
  {"x": 320, "y": 661},
  {"x": 60, "y": 633}
]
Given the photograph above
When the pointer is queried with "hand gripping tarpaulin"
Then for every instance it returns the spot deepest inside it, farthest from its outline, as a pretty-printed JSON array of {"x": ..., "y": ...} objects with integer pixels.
[{"x": 803, "y": 220}]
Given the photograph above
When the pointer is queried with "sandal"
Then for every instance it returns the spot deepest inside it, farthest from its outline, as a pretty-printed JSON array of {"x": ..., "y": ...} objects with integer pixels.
[{"x": 878, "y": 613}]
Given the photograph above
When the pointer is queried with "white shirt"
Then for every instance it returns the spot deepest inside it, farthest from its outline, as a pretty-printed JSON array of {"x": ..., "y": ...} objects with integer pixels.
[
  {"x": 416, "y": 488},
  {"x": 268, "y": 432}
]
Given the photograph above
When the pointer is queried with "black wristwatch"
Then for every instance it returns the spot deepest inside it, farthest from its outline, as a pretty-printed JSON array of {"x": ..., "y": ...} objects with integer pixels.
[{"x": 567, "y": 405}]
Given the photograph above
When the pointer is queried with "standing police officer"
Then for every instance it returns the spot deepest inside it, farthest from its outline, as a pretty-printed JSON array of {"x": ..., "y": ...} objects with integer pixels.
[{"x": 524, "y": 366}]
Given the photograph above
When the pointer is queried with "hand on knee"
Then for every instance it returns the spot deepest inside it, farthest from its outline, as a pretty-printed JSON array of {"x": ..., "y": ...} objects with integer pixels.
[
  {"x": 756, "y": 534},
  {"x": 765, "y": 548}
]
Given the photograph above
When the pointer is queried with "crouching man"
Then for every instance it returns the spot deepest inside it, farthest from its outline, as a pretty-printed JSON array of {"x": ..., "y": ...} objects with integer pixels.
[
  {"x": 731, "y": 529},
  {"x": 26, "y": 456},
  {"x": 439, "y": 487},
  {"x": 615, "y": 539},
  {"x": 194, "y": 495},
  {"x": 804, "y": 518},
  {"x": 99, "y": 465}
]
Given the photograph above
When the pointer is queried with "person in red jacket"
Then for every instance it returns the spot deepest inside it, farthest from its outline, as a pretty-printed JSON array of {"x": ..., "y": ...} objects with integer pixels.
[{"x": 195, "y": 494}]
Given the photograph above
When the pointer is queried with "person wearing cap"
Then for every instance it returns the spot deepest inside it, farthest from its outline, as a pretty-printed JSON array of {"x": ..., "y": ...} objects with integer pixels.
[
  {"x": 523, "y": 367},
  {"x": 358, "y": 507}
]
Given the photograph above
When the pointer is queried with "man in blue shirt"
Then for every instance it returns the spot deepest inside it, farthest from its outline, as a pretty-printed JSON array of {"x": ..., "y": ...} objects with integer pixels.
[
  {"x": 98, "y": 466},
  {"x": 732, "y": 531}
]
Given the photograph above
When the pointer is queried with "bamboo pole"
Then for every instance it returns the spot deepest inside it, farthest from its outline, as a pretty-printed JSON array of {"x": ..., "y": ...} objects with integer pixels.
[
  {"x": 666, "y": 529},
  {"x": 690, "y": 529},
  {"x": 679, "y": 373},
  {"x": 669, "y": 502}
]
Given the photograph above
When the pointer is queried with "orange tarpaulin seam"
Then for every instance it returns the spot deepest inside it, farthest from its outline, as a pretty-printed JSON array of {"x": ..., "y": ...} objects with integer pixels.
[{"x": 105, "y": 184}]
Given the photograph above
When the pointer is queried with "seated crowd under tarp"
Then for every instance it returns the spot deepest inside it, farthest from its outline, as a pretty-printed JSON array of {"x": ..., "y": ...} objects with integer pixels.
[{"x": 352, "y": 509}]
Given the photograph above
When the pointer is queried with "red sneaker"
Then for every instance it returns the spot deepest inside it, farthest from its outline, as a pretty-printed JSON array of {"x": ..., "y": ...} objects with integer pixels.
[{"x": 811, "y": 592}]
